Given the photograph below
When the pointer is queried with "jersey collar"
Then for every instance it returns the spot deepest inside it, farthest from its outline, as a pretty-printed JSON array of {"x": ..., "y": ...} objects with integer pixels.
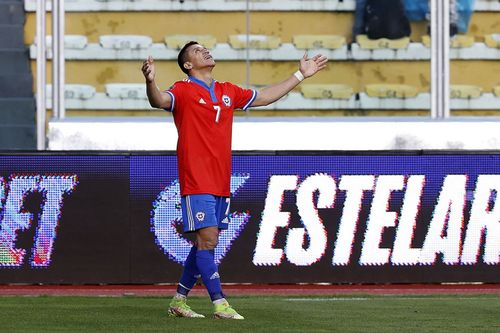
[{"x": 210, "y": 88}]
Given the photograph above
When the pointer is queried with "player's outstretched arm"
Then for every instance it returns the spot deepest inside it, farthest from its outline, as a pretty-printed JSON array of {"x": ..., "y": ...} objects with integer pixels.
[
  {"x": 308, "y": 67},
  {"x": 156, "y": 97}
]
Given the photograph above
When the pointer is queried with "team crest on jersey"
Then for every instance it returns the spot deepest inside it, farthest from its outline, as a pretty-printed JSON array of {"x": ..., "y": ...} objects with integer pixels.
[
  {"x": 200, "y": 216},
  {"x": 226, "y": 99}
]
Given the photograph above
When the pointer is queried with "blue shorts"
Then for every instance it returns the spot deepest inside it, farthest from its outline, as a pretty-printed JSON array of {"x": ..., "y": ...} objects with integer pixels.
[{"x": 204, "y": 210}]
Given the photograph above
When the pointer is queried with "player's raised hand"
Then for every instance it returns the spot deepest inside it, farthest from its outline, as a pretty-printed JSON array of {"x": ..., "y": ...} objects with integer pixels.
[
  {"x": 148, "y": 69},
  {"x": 310, "y": 66}
]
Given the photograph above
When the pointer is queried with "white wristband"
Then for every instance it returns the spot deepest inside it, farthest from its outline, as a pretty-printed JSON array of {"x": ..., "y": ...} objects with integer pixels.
[{"x": 299, "y": 76}]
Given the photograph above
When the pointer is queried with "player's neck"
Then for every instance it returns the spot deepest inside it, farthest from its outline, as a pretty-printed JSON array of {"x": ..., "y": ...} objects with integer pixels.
[{"x": 205, "y": 76}]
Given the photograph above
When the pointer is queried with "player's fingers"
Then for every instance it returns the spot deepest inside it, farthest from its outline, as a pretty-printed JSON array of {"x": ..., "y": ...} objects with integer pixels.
[
  {"x": 320, "y": 58},
  {"x": 305, "y": 56},
  {"x": 316, "y": 57},
  {"x": 322, "y": 61}
]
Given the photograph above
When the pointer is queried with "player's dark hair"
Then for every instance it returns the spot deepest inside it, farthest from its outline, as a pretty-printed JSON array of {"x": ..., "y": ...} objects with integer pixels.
[{"x": 181, "y": 58}]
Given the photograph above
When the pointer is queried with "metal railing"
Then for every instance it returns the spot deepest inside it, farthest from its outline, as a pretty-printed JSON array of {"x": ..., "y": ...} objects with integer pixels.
[
  {"x": 440, "y": 59},
  {"x": 58, "y": 66}
]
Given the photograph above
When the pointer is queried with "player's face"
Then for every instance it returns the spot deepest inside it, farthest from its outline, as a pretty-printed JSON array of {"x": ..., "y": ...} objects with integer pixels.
[{"x": 200, "y": 57}]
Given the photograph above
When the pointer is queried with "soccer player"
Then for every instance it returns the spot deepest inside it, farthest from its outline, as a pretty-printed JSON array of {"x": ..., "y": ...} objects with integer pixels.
[{"x": 203, "y": 114}]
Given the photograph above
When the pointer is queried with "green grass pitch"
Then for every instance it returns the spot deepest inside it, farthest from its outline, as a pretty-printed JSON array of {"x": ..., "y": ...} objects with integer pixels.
[{"x": 439, "y": 313}]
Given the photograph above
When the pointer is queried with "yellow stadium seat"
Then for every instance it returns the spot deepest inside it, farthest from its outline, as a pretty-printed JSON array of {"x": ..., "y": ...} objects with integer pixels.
[
  {"x": 334, "y": 91},
  {"x": 126, "y": 90},
  {"x": 178, "y": 41},
  {"x": 391, "y": 90},
  {"x": 457, "y": 41},
  {"x": 318, "y": 41},
  {"x": 122, "y": 42},
  {"x": 496, "y": 91},
  {"x": 382, "y": 43},
  {"x": 492, "y": 40},
  {"x": 254, "y": 41},
  {"x": 465, "y": 91}
]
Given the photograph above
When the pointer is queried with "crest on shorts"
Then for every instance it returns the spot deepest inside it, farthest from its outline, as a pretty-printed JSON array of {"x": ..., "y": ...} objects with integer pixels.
[
  {"x": 200, "y": 216},
  {"x": 227, "y": 100}
]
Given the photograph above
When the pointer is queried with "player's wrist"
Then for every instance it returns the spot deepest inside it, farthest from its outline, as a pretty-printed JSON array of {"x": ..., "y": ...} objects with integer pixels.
[{"x": 299, "y": 76}]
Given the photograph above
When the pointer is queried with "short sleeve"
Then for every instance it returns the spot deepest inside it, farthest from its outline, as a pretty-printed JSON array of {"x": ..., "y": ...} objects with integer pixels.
[
  {"x": 174, "y": 92},
  {"x": 243, "y": 98}
]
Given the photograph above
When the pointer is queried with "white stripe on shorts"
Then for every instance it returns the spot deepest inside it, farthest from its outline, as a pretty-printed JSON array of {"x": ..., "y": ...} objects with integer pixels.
[{"x": 189, "y": 213}]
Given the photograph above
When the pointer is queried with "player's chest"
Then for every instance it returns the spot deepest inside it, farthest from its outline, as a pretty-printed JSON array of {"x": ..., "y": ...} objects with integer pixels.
[{"x": 210, "y": 106}]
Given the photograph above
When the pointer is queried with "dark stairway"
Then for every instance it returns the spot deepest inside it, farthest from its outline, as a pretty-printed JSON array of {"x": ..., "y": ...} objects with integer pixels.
[{"x": 17, "y": 103}]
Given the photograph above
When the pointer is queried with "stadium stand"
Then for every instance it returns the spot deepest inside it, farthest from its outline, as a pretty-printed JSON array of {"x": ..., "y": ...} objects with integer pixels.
[
  {"x": 17, "y": 105},
  {"x": 226, "y": 5},
  {"x": 112, "y": 43}
]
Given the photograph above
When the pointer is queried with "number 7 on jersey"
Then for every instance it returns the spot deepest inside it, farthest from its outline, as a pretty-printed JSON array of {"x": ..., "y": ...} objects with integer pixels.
[{"x": 217, "y": 115}]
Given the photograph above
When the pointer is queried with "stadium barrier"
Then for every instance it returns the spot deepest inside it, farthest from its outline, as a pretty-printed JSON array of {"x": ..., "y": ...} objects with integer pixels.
[
  {"x": 282, "y": 133},
  {"x": 296, "y": 217}
]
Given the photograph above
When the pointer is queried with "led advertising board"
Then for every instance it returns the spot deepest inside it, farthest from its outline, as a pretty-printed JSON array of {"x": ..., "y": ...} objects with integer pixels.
[{"x": 334, "y": 217}]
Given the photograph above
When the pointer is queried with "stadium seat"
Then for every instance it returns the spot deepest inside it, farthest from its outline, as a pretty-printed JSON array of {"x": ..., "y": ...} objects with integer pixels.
[
  {"x": 382, "y": 43},
  {"x": 75, "y": 91},
  {"x": 492, "y": 40},
  {"x": 391, "y": 90},
  {"x": 178, "y": 41},
  {"x": 496, "y": 91},
  {"x": 318, "y": 41},
  {"x": 123, "y": 42},
  {"x": 458, "y": 41},
  {"x": 465, "y": 91},
  {"x": 333, "y": 91},
  {"x": 126, "y": 90},
  {"x": 77, "y": 42},
  {"x": 254, "y": 41}
]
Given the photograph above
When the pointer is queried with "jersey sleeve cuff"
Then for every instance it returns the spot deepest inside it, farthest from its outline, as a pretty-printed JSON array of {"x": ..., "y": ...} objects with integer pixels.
[
  {"x": 252, "y": 99},
  {"x": 172, "y": 106}
]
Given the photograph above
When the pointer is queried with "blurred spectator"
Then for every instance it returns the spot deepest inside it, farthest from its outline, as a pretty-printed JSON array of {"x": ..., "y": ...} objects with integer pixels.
[
  {"x": 460, "y": 13},
  {"x": 381, "y": 19},
  {"x": 359, "y": 19}
]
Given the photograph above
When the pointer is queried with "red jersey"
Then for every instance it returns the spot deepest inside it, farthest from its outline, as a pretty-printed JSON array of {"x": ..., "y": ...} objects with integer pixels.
[{"x": 203, "y": 116}]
